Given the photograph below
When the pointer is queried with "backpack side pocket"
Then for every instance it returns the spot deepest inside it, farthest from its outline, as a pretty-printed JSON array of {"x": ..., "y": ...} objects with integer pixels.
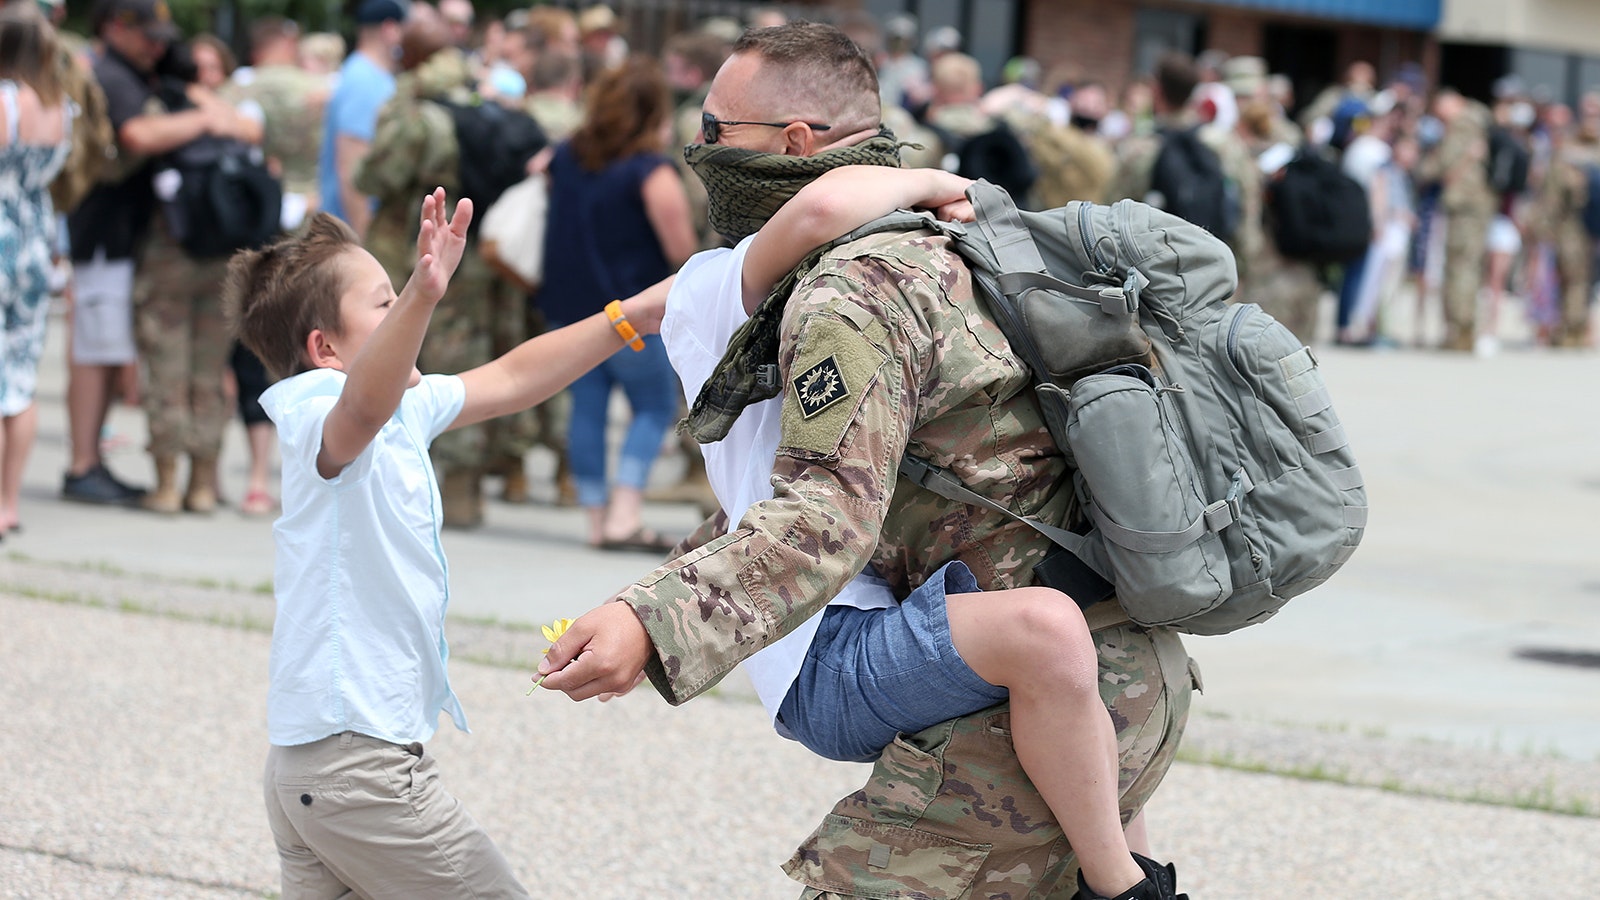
[{"x": 1136, "y": 479}]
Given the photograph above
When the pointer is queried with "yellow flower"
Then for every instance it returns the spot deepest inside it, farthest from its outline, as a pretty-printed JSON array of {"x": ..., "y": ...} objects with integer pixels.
[
  {"x": 555, "y": 630},
  {"x": 552, "y": 633}
]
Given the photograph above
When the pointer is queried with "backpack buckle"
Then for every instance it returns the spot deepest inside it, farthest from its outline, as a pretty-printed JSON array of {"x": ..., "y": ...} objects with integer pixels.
[
  {"x": 1221, "y": 514},
  {"x": 1228, "y": 510},
  {"x": 1114, "y": 301}
]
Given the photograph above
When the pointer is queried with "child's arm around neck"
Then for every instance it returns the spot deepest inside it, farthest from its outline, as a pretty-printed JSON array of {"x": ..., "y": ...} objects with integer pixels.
[
  {"x": 839, "y": 201},
  {"x": 377, "y": 378}
]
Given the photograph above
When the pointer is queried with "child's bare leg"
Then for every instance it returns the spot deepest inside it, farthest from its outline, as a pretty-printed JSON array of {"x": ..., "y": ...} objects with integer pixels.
[
  {"x": 1138, "y": 836},
  {"x": 1035, "y": 643}
]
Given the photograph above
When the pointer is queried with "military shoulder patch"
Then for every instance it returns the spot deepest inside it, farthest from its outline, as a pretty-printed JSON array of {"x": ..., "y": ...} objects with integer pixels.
[{"x": 819, "y": 387}]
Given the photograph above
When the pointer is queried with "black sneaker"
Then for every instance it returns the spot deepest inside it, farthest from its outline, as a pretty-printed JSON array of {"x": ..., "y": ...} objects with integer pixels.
[
  {"x": 100, "y": 487},
  {"x": 1160, "y": 883}
]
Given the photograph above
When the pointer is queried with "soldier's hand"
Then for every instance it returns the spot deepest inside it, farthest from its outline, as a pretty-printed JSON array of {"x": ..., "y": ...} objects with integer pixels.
[
  {"x": 440, "y": 245},
  {"x": 603, "y": 652}
]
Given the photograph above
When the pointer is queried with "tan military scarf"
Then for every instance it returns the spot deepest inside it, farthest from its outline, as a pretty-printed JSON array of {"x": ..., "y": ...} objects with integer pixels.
[{"x": 746, "y": 188}]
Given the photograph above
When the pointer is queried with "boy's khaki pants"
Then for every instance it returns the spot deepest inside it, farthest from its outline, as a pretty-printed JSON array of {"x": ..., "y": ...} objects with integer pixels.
[{"x": 351, "y": 813}]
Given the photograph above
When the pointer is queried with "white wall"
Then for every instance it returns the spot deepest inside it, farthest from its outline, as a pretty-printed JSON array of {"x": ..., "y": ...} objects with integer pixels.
[{"x": 1570, "y": 25}]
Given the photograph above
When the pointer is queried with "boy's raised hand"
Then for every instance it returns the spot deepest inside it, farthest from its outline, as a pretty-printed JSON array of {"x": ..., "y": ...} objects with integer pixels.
[{"x": 440, "y": 245}]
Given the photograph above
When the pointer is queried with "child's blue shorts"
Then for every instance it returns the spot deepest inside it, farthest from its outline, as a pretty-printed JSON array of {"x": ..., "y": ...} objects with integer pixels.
[{"x": 872, "y": 673}]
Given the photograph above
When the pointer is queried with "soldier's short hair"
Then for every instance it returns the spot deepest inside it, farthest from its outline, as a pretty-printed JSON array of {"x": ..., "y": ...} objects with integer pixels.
[
  {"x": 276, "y": 296},
  {"x": 820, "y": 68}
]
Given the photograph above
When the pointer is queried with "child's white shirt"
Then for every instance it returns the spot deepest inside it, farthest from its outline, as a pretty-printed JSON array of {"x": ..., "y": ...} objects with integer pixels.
[
  {"x": 360, "y": 575},
  {"x": 704, "y": 309}
]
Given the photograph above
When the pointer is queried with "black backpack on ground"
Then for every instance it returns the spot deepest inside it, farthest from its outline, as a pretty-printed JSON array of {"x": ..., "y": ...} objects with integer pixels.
[
  {"x": 1187, "y": 181},
  {"x": 1508, "y": 162},
  {"x": 226, "y": 200},
  {"x": 1318, "y": 213},
  {"x": 496, "y": 143}
]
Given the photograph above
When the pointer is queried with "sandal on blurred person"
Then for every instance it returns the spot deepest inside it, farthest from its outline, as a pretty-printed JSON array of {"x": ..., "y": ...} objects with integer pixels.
[{"x": 258, "y": 503}]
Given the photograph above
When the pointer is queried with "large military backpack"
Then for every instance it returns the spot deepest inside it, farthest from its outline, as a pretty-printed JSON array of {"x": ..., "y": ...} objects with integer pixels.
[{"x": 1213, "y": 477}]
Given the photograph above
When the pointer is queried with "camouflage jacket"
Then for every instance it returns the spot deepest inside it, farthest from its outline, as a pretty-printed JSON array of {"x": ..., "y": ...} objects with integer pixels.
[
  {"x": 1073, "y": 164},
  {"x": 558, "y": 116},
  {"x": 1563, "y": 191},
  {"x": 886, "y": 350},
  {"x": 291, "y": 101},
  {"x": 1458, "y": 163},
  {"x": 413, "y": 151}
]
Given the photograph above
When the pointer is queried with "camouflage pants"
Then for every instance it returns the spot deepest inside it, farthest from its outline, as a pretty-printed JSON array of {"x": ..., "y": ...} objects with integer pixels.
[
  {"x": 948, "y": 812},
  {"x": 509, "y": 437},
  {"x": 184, "y": 342},
  {"x": 459, "y": 338},
  {"x": 1464, "y": 249},
  {"x": 1574, "y": 259}
]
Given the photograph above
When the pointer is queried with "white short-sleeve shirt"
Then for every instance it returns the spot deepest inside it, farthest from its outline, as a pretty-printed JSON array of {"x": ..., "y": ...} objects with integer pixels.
[
  {"x": 360, "y": 575},
  {"x": 704, "y": 309}
]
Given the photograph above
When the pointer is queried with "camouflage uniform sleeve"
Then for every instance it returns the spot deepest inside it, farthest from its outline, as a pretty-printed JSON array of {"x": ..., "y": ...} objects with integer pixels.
[
  {"x": 850, "y": 363},
  {"x": 1132, "y": 178},
  {"x": 708, "y": 531}
]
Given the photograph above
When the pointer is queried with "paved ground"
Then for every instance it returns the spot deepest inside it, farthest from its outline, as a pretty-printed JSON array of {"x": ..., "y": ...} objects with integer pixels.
[{"x": 133, "y": 658}]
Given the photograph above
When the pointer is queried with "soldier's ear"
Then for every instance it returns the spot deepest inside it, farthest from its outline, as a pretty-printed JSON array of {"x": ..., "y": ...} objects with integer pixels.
[{"x": 799, "y": 140}]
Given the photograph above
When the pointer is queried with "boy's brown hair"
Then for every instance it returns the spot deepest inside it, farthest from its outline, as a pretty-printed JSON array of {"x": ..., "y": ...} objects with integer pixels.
[{"x": 276, "y": 296}]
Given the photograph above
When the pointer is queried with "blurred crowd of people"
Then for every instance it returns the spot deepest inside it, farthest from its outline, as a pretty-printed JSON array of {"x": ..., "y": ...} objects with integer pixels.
[{"x": 1468, "y": 203}]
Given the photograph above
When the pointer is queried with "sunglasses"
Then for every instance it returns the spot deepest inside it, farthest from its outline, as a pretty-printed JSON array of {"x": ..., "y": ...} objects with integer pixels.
[{"x": 711, "y": 126}]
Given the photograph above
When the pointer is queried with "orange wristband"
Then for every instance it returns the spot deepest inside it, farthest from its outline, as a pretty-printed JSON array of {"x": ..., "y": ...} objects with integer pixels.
[{"x": 623, "y": 326}]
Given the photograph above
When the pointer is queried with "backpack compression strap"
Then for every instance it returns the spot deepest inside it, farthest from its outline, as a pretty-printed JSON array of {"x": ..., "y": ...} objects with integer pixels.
[{"x": 1071, "y": 573}]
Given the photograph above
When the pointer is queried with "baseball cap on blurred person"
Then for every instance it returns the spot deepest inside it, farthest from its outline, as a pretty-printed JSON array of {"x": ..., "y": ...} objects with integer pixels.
[
  {"x": 377, "y": 12},
  {"x": 154, "y": 17},
  {"x": 597, "y": 18},
  {"x": 944, "y": 39}
]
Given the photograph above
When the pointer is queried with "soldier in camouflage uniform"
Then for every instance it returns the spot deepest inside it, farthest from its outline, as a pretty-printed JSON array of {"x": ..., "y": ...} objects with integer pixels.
[
  {"x": 881, "y": 349},
  {"x": 1458, "y": 164},
  {"x": 290, "y": 101},
  {"x": 183, "y": 336},
  {"x": 1288, "y": 289},
  {"x": 414, "y": 150},
  {"x": 1563, "y": 193}
]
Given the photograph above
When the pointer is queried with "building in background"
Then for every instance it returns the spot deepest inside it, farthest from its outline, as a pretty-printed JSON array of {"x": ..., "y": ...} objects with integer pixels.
[
  {"x": 1552, "y": 46},
  {"x": 1310, "y": 41}
]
